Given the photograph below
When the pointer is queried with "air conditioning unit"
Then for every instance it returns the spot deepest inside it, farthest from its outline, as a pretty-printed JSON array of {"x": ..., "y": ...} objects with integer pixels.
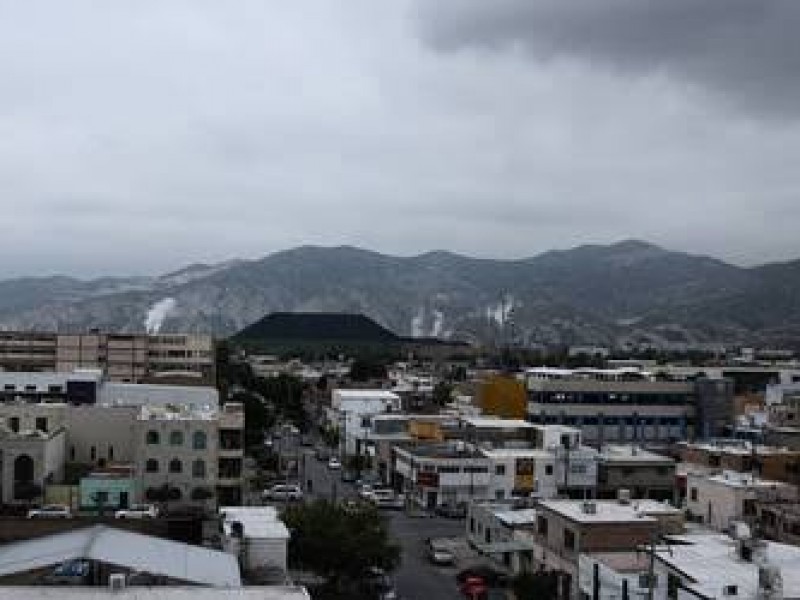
[
  {"x": 116, "y": 581},
  {"x": 589, "y": 508}
]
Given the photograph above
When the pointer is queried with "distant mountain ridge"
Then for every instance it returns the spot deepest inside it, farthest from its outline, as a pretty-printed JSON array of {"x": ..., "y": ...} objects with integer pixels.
[{"x": 631, "y": 291}]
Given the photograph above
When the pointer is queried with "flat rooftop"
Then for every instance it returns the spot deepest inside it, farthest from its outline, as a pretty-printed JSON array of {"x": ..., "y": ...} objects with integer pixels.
[
  {"x": 610, "y": 511},
  {"x": 712, "y": 561},
  {"x": 632, "y": 454},
  {"x": 448, "y": 451},
  {"x": 497, "y": 423}
]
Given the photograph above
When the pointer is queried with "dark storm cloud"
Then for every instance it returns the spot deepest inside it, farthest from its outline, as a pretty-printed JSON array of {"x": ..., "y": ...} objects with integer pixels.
[{"x": 745, "y": 50}]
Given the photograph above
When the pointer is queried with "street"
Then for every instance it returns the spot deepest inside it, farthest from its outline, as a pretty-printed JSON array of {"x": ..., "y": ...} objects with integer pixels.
[{"x": 417, "y": 578}]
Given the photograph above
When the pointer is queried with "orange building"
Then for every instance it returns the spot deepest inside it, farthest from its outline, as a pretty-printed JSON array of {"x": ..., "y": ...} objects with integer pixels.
[{"x": 503, "y": 396}]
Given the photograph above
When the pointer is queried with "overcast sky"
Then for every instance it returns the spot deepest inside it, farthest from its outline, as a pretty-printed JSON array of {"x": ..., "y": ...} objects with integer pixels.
[{"x": 140, "y": 136}]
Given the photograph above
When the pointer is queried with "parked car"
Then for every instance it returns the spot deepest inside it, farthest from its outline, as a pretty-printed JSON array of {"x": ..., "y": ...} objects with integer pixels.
[
  {"x": 385, "y": 498},
  {"x": 474, "y": 588},
  {"x": 137, "y": 511},
  {"x": 334, "y": 463},
  {"x": 439, "y": 554},
  {"x": 488, "y": 574},
  {"x": 283, "y": 491},
  {"x": 50, "y": 511},
  {"x": 71, "y": 572},
  {"x": 452, "y": 511},
  {"x": 379, "y": 585}
]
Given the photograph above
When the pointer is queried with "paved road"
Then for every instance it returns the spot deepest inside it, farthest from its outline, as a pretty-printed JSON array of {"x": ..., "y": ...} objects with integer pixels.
[{"x": 417, "y": 578}]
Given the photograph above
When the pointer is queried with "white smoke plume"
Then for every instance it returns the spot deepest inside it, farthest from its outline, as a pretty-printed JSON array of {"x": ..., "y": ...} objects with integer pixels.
[{"x": 157, "y": 313}]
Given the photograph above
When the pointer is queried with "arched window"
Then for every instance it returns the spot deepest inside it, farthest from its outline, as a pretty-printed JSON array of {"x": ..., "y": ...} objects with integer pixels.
[
  {"x": 176, "y": 438},
  {"x": 152, "y": 437},
  {"x": 199, "y": 468},
  {"x": 151, "y": 466},
  {"x": 175, "y": 466},
  {"x": 199, "y": 440}
]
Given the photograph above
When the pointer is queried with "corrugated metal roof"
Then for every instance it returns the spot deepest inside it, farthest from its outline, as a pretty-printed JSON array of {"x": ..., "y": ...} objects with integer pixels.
[
  {"x": 154, "y": 593},
  {"x": 126, "y": 549}
]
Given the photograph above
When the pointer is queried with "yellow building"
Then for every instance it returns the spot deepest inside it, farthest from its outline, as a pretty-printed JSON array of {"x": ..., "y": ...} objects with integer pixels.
[{"x": 503, "y": 396}]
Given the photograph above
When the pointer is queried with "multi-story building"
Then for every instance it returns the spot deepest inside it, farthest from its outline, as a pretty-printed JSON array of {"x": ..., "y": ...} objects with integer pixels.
[
  {"x": 644, "y": 474},
  {"x": 442, "y": 473},
  {"x": 720, "y": 500},
  {"x": 134, "y": 358},
  {"x": 565, "y": 529},
  {"x": 183, "y": 445},
  {"x": 625, "y": 405},
  {"x": 351, "y": 412}
]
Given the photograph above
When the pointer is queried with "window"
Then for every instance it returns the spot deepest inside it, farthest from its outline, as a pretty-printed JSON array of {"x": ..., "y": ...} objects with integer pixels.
[
  {"x": 111, "y": 453},
  {"x": 569, "y": 539},
  {"x": 199, "y": 440},
  {"x": 541, "y": 525},
  {"x": 175, "y": 466},
  {"x": 153, "y": 437},
  {"x": 176, "y": 438},
  {"x": 472, "y": 524},
  {"x": 14, "y": 424},
  {"x": 499, "y": 494},
  {"x": 730, "y": 590},
  {"x": 199, "y": 469},
  {"x": 693, "y": 494},
  {"x": 449, "y": 469},
  {"x": 500, "y": 470},
  {"x": 151, "y": 466},
  {"x": 41, "y": 424},
  {"x": 93, "y": 452},
  {"x": 72, "y": 453},
  {"x": 548, "y": 469}
]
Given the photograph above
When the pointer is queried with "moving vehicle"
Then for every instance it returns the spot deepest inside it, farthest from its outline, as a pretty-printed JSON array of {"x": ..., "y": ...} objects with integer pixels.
[
  {"x": 50, "y": 511},
  {"x": 283, "y": 491},
  {"x": 439, "y": 554},
  {"x": 334, "y": 463},
  {"x": 137, "y": 511}
]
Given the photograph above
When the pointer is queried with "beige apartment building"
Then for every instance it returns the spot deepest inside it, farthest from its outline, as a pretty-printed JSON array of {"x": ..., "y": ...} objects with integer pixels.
[
  {"x": 184, "y": 446},
  {"x": 135, "y": 358}
]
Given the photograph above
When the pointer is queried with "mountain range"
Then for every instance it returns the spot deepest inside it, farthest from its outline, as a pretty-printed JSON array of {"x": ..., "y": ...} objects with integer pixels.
[{"x": 627, "y": 292}]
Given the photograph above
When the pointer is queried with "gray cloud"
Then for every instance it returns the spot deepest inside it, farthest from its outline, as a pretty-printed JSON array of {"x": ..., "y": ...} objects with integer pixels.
[
  {"x": 746, "y": 50},
  {"x": 139, "y": 136}
]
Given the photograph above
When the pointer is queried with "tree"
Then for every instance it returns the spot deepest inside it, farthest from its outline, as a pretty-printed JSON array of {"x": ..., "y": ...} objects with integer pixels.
[
  {"x": 342, "y": 545},
  {"x": 365, "y": 370}
]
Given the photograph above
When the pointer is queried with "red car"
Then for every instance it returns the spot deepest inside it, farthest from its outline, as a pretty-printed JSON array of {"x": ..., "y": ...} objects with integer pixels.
[{"x": 474, "y": 588}]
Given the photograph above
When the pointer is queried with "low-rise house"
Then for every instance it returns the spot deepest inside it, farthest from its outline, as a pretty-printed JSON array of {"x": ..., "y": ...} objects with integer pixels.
[
  {"x": 705, "y": 566},
  {"x": 493, "y": 529},
  {"x": 351, "y": 412},
  {"x": 258, "y": 538},
  {"x": 770, "y": 462}
]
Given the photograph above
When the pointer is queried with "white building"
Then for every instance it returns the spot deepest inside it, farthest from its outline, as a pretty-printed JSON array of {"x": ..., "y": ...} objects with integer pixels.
[
  {"x": 522, "y": 472},
  {"x": 719, "y": 500},
  {"x": 704, "y": 566},
  {"x": 442, "y": 473},
  {"x": 352, "y": 411},
  {"x": 259, "y": 540}
]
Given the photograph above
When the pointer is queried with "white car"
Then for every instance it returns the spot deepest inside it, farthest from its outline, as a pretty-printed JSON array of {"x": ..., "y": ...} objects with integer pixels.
[
  {"x": 334, "y": 463},
  {"x": 50, "y": 511},
  {"x": 438, "y": 554},
  {"x": 137, "y": 511},
  {"x": 283, "y": 491}
]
